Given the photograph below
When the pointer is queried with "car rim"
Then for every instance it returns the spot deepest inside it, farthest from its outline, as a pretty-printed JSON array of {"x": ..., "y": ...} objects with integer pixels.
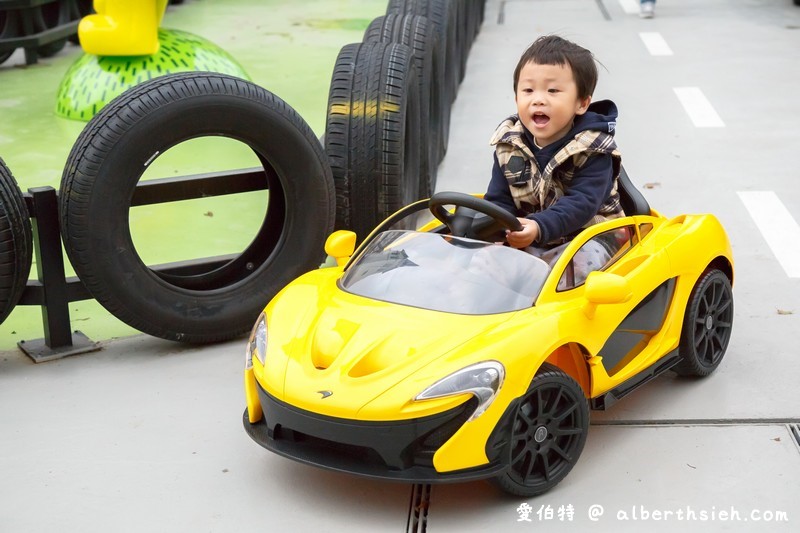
[
  {"x": 712, "y": 327},
  {"x": 547, "y": 435}
]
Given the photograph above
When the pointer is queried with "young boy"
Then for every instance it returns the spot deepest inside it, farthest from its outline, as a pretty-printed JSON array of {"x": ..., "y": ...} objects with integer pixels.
[{"x": 556, "y": 163}]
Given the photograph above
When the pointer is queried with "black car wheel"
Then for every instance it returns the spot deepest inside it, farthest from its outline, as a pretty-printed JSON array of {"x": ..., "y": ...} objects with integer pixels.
[
  {"x": 707, "y": 325},
  {"x": 548, "y": 434}
]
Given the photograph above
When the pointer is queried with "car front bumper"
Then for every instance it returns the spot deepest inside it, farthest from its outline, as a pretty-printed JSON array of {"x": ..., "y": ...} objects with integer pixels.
[{"x": 399, "y": 450}]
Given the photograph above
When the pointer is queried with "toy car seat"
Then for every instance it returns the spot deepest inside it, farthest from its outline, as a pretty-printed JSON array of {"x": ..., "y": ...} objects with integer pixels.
[{"x": 632, "y": 200}]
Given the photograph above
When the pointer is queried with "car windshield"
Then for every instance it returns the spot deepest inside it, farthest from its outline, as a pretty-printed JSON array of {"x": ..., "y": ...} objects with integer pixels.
[{"x": 445, "y": 273}]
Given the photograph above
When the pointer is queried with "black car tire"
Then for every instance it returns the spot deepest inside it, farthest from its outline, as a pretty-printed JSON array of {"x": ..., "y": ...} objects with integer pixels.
[
  {"x": 547, "y": 435},
  {"x": 481, "y": 11},
  {"x": 51, "y": 49},
  {"x": 16, "y": 242},
  {"x": 444, "y": 16},
  {"x": 372, "y": 133},
  {"x": 80, "y": 9},
  {"x": 417, "y": 33},
  {"x": 707, "y": 325},
  {"x": 4, "y": 54},
  {"x": 49, "y": 17},
  {"x": 111, "y": 155},
  {"x": 465, "y": 24}
]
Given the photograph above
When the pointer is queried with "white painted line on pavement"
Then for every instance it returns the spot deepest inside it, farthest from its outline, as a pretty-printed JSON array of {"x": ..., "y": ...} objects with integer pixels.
[
  {"x": 698, "y": 107},
  {"x": 631, "y": 7},
  {"x": 778, "y": 227},
  {"x": 655, "y": 43}
]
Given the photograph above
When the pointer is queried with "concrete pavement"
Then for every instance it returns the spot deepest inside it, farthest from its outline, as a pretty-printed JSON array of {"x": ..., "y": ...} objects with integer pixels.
[{"x": 146, "y": 435}]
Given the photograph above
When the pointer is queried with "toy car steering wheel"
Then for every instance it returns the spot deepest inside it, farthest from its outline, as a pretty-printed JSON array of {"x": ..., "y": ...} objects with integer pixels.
[{"x": 465, "y": 222}]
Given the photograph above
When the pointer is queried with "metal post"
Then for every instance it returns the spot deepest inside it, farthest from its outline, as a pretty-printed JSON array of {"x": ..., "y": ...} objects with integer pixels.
[{"x": 58, "y": 340}]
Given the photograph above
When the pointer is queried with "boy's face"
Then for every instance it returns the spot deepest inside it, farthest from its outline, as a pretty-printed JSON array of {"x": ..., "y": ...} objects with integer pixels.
[{"x": 547, "y": 101}]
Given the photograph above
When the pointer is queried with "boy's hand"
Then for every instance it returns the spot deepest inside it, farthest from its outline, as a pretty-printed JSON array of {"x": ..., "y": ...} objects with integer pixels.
[{"x": 525, "y": 236}]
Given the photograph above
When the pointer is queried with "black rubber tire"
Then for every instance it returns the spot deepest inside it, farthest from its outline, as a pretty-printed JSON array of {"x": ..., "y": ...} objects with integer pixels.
[
  {"x": 83, "y": 8},
  {"x": 537, "y": 466},
  {"x": 5, "y": 55},
  {"x": 80, "y": 9},
  {"x": 374, "y": 31},
  {"x": 417, "y": 33},
  {"x": 16, "y": 243},
  {"x": 481, "y": 9},
  {"x": 707, "y": 325},
  {"x": 372, "y": 133},
  {"x": 49, "y": 17},
  {"x": 444, "y": 16},
  {"x": 476, "y": 11},
  {"x": 465, "y": 28},
  {"x": 51, "y": 49},
  {"x": 112, "y": 153}
]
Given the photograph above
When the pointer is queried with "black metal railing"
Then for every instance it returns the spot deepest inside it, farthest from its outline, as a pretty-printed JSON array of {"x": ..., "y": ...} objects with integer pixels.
[{"x": 53, "y": 290}]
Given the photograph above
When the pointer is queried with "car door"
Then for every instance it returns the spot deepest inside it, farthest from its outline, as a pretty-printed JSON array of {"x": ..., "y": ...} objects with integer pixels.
[{"x": 621, "y": 338}]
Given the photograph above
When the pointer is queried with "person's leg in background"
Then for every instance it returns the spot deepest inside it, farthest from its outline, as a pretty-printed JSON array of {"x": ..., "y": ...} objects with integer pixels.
[{"x": 647, "y": 8}]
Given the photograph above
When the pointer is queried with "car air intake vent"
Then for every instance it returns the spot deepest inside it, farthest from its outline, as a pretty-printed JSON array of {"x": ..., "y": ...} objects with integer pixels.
[{"x": 795, "y": 430}]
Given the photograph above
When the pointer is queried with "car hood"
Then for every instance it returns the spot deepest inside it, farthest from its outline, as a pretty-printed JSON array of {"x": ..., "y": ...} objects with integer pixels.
[{"x": 340, "y": 351}]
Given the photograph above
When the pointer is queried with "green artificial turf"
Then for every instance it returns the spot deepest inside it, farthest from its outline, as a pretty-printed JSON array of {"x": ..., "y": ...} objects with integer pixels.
[{"x": 286, "y": 46}]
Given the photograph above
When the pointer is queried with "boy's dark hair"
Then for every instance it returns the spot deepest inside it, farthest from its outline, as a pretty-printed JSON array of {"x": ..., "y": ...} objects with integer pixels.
[{"x": 555, "y": 50}]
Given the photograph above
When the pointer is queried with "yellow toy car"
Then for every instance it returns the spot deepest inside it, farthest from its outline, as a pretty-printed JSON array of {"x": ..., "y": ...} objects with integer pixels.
[{"x": 436, "y": 355}]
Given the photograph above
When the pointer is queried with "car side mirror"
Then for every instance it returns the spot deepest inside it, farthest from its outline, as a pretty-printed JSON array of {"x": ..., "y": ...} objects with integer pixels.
[
  {"x": 605, "y": 288},
  {"x": 340, "y": 245}
]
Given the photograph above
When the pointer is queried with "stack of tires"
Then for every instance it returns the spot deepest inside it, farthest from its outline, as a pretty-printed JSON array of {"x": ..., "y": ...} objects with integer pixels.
[
  {"x": 386, "y": 132},
  {"x": 389, "y": 106},
  {"x": 42, "y": 27}
]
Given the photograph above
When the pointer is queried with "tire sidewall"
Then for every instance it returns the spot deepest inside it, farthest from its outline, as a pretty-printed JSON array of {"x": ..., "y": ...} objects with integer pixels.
[{"x": 17, "y": 250}]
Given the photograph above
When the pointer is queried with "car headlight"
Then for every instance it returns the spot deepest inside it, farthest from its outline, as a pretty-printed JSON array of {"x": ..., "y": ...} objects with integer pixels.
[
  {"x": 482, "y": 380},
  {"x": 257, "y": 344}
]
